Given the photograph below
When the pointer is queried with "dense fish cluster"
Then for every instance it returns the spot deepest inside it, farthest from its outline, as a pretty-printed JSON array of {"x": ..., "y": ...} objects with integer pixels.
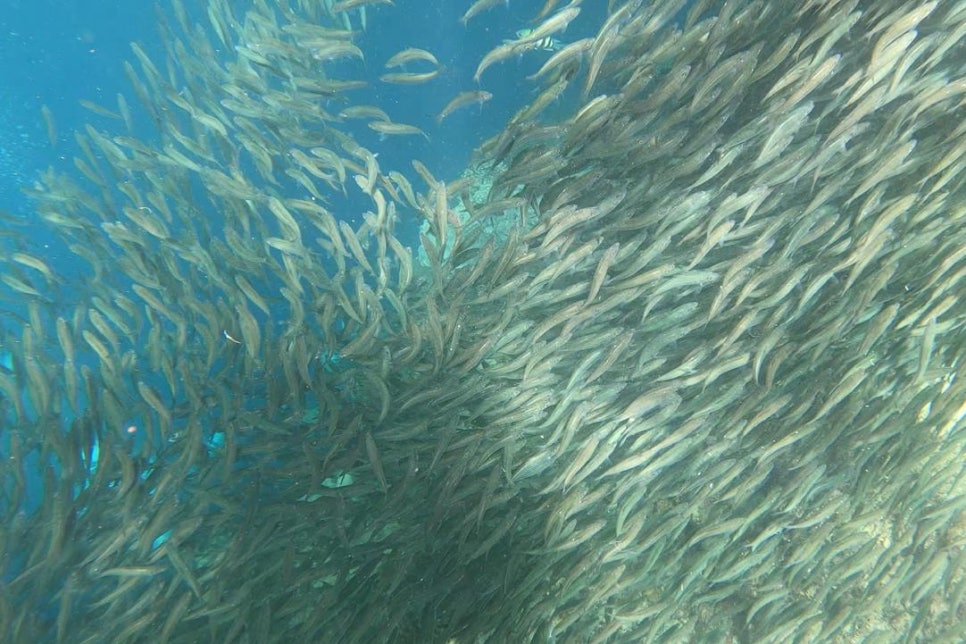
[{"x": 678, "y": 366}]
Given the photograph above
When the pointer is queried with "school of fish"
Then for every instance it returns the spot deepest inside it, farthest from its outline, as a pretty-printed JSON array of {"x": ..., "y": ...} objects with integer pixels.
[{"x": 678, "y": 365}]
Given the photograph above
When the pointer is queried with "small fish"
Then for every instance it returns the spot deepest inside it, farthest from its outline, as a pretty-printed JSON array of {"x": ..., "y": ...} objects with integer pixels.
[
  {"x": 390, "y": 128},
  {"x": 409, "y": 55},
  {"x": 49, "y": 124},
  {"x": 477, "y": 8},
  {"x": 409, "y": 78},
  {"x": 376, "y": 462},
  {"x": 541, "y": 44},
  {"x": 463, "y": 99}
]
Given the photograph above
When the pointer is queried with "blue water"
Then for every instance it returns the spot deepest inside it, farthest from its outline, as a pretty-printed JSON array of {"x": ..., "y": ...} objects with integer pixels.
[{"x": 56, "y": 53}]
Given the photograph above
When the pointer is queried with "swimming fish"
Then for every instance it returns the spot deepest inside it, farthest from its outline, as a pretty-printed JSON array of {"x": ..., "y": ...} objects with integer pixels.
[{"x": 547, "y": 43}]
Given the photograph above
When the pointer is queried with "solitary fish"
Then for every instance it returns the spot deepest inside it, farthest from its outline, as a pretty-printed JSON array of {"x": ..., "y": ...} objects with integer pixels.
[
  {"x": 388, "y": 127},
  {"x": 410, "y": 55},
  {"x": 477, "y": 8},
  {"x": 462, "y": 100},
  {"x": 409, "y": 78}
]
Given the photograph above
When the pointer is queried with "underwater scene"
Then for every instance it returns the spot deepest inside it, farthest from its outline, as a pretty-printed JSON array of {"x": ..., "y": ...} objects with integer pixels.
[{"x": 483, "y": 321}]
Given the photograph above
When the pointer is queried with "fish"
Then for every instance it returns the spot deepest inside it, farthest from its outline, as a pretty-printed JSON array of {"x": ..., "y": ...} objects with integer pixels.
[
  {"x": 409, "y": 78},
  {"x": 609, "y": 348},
  {"x": 411, "y": 55},
  {"x": 463, "y": 99},
  {"x": 396, "y": 129},
  {"x": 499, "y": 54},
  {"x": 545, "y": 43},
  {"x": 39, "y": 265},
  {"x": 49, "y": 124},
  {"x": 478, "y": 7}
]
